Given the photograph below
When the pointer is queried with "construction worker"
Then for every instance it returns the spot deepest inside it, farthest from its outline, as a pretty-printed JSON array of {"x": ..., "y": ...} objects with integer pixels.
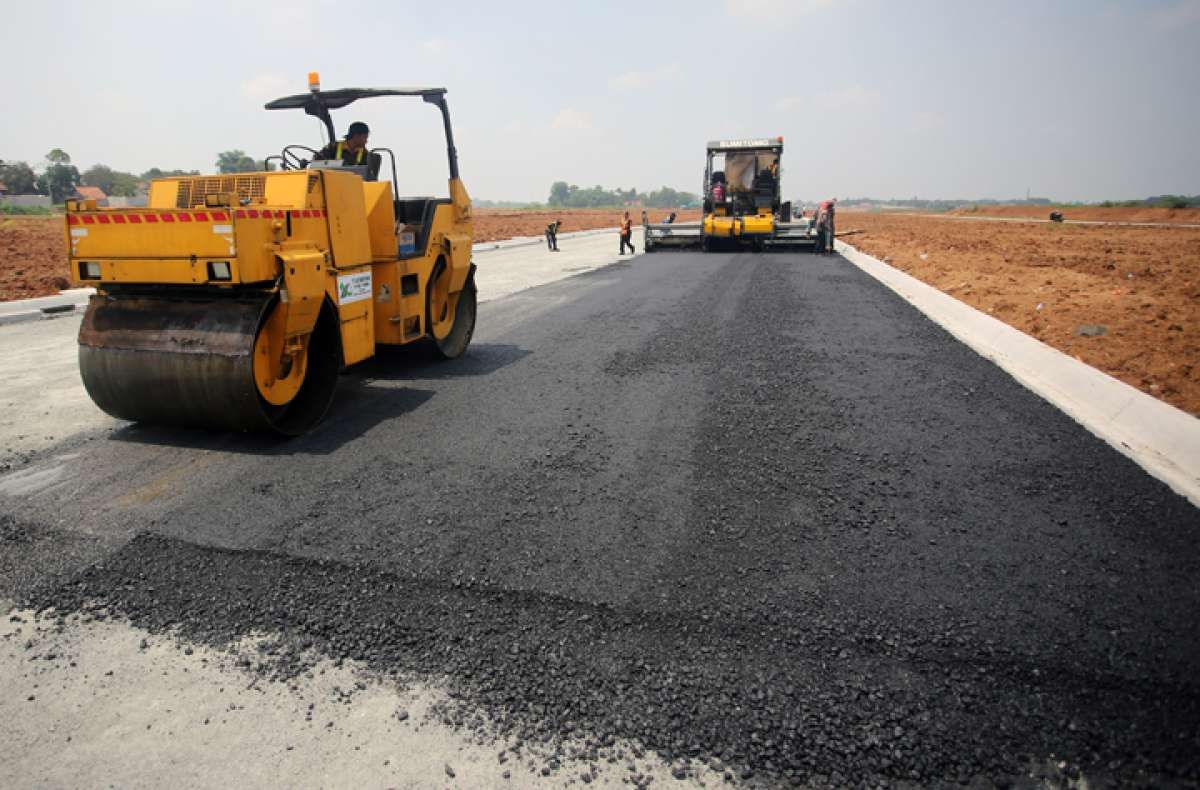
[
  {"x": 830, "y": 232},
  {"x": 627, "y": 235},
  {"x": 825, "y": 231},
  {"x": 552, "y": 235},
  {"x": 351, "y": 151}
]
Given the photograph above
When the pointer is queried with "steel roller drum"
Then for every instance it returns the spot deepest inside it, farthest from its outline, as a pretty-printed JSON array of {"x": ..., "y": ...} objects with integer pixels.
[{"x": 190, "y": 362}]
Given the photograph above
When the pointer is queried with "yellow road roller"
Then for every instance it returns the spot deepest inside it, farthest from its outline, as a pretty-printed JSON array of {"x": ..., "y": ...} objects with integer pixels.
[{"x": 232, "y": 301}]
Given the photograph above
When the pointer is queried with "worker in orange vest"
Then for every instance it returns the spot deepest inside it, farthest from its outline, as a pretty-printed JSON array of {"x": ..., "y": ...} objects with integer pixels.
[{"x": 627, "y": 235}]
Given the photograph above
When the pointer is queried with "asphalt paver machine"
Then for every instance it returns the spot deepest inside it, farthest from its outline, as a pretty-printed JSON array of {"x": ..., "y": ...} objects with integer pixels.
[{"x": 743, "y": 208}]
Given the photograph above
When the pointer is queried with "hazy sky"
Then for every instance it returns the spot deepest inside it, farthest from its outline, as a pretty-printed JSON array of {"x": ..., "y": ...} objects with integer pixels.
[{"x": 1072, "y": 100}]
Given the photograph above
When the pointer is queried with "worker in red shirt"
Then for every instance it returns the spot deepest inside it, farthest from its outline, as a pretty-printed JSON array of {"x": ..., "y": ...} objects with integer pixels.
[
  {"x": 626, "y": 235},
  {"x": 825, "y": 231}
]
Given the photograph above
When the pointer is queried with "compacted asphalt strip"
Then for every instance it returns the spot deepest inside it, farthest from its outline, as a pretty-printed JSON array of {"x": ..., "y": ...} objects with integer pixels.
[{"x": 753, "y": 513}]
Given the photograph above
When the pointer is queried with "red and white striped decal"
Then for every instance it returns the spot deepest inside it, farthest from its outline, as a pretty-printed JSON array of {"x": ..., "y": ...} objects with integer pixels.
[{"x": 149, "y": 218}]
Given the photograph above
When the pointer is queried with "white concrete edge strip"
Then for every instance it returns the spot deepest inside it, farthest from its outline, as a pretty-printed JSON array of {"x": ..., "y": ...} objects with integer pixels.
[
  {"x": 44, "y": 306},
  {"x": 1163, "y": 440}
]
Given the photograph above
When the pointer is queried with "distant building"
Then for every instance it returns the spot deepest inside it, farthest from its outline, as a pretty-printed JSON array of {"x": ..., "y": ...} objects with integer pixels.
[
  {"x": 3, "y": 189},
  {"x": 139, "y": 200},
  {"x": 91, "y": 193},
  {"x": 39, "y": 201}
]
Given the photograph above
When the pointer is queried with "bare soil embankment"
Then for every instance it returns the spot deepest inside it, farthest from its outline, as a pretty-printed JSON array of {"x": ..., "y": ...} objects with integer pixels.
[{"x": 33, "y": 257}]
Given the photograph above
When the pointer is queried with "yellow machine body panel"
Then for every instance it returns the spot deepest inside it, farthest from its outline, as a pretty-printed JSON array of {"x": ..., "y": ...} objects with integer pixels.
[
  {"x": 354, "y": 288},
  {"x": 175, "y": 247},
  {"x": 727, "y": 227},
  {"x": 165, "y": 244},
  {"x": 349, "y": 233},
  {"x": 381, "y": 219}
]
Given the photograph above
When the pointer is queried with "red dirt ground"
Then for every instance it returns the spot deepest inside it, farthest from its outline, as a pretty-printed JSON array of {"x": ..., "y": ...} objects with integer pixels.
[
  {"x": 1187, "y": 216},
  {"x": 33, "y": 257},
  {"x": 1047, "y": 279}
]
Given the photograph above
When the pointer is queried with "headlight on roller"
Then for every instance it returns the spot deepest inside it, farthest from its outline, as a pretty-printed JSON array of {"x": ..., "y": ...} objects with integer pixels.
[
  {"x": 89, "y": 270},
  {"x": 218, "y": 270}
]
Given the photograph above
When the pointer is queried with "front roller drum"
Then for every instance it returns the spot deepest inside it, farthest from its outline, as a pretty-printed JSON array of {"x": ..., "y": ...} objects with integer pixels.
[{"x": 201, "y": 362}]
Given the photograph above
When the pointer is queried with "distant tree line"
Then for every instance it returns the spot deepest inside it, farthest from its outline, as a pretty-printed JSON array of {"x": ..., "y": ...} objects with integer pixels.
[
  {"x": 564, "y": 195},
  {"x": 57, "y": 177},
  {"x": 1158, "y": 201}
]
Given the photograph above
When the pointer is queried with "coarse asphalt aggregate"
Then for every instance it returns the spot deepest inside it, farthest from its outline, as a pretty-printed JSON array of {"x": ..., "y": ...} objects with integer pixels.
[{"x": 749, "y": 510}]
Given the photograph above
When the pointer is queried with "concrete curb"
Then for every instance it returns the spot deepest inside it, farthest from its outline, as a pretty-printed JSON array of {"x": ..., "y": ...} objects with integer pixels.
[
  {"x": 44, "y": 307},
  {"x": 1163, "y": 440}
]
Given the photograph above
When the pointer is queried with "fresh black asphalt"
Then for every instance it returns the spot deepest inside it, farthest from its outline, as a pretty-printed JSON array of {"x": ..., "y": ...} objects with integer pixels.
[{"x": 752, "y": 510}]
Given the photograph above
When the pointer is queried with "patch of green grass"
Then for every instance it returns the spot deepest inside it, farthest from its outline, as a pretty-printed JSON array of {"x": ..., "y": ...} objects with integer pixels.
[{"x": 28, "y": 210}]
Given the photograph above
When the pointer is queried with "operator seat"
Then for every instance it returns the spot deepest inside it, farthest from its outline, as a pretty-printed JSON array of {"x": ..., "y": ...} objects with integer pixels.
[
  {"x": 374, "y": 163},
  {"x": 764, "y": 189},
  {"x": 416, "y": 213}
]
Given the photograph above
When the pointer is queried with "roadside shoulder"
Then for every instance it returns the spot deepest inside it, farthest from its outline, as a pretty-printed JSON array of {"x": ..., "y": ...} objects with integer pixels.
[{"x": 1163, "y": 440}]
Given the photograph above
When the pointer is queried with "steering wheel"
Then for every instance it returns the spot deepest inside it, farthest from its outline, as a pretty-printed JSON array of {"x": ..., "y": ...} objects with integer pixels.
[{"x": 293, "y": 161}]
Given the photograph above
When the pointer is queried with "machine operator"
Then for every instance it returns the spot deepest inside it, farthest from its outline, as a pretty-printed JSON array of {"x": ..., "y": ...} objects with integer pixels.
[{"x": 352, "y": 150}]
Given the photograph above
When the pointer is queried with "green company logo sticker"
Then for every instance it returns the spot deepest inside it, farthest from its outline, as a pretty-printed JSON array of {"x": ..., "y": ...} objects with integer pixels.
[{"x": 354, "y": 287}]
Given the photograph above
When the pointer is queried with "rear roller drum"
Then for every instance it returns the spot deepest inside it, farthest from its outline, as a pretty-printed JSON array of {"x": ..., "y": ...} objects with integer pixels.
[{"x": 450, "y": 318}]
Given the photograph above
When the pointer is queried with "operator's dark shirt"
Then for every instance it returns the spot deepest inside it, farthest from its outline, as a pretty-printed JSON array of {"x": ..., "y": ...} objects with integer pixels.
[{"x": 340, "y": 150}]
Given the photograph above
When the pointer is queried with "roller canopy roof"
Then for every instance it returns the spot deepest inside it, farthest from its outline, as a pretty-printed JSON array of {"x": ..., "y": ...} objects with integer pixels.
[{"x": 334, "y": 99}]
